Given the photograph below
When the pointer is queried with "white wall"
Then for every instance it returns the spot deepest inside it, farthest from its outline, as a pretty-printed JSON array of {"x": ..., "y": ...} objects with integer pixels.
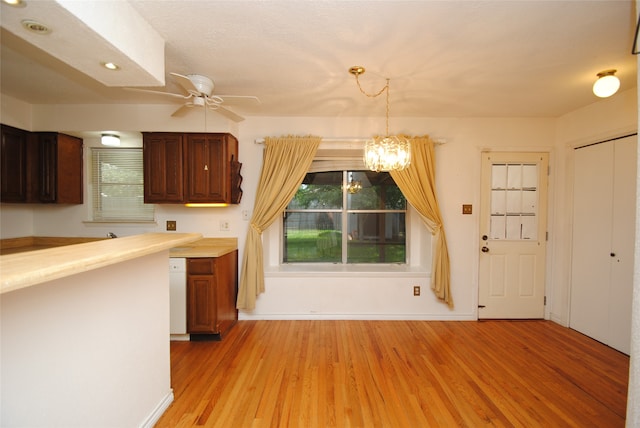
[
  {"x": 91, "y": 349},
  {"x": 290, "y": 295},
  {"x": 458, "y": 172}
]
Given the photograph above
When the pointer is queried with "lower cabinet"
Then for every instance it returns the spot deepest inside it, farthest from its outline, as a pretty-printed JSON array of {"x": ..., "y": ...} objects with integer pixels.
[{"x": 212, "y": 284}]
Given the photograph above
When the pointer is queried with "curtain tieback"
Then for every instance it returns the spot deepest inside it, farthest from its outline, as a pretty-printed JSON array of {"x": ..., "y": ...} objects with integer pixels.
[{"x": 256, "y": 228}]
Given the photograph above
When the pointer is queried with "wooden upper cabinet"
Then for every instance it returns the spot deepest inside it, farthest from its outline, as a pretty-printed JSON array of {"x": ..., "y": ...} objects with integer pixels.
[
  {"x": 163, "y": 167},
  {"x": 59, "y": 168},
  {"x": 208, "y": 168},
  {"x": 191, "y": 167},
  {"x": 41, "y": 167}
]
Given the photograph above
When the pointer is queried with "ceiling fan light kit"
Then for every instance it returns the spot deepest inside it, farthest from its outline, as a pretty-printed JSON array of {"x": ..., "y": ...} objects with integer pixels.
[
  {"x": 388, "y": 152},
  {"x": 607, "y": 84}
]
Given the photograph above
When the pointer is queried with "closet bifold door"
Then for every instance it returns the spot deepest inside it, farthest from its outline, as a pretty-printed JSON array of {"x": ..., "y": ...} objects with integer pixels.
[{"x": 604, "y": 185}]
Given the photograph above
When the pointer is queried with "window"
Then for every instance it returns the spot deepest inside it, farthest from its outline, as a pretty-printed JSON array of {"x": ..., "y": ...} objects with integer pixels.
[
  {"x": 514, "y": 201},
  {"x": 118, "y": 185},
  {"x": 345, "y": 217}
]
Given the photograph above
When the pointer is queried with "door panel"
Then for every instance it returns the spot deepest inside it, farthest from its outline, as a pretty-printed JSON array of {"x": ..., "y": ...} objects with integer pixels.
[
  {"x": 623, "y": 239},
  {"x": 593, "y": 176},
  {"x": 513, "y": 232}
]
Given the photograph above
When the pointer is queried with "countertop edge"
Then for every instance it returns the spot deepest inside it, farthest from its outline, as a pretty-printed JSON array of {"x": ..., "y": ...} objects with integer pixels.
[{"x": 23, "y": 270}]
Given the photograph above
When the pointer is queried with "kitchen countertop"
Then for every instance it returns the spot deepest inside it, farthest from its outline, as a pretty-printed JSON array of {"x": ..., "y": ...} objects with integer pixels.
[
  {"x": 32, "y": 243},
  {"x": 205, "y": 247},
  {"x": 29, "y": 268}
]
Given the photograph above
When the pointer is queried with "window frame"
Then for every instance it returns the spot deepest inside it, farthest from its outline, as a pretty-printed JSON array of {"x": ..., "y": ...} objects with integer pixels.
[
  {"x": 95, "y": 214},
  {"x": 344, "y": 211}
]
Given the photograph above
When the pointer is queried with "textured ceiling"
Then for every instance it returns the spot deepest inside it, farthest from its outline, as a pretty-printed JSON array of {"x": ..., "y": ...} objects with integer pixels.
[{"x": 444, "y": 58}]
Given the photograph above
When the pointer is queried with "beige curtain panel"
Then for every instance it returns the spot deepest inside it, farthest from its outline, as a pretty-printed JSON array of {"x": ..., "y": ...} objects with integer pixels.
[
  {"x": 286, "y": 162},
  {"x": 418, "y": 185}
]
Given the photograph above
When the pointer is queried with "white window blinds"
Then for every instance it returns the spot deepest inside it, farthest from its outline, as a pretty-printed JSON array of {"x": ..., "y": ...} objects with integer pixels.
[{"x": 117, "y": 180}]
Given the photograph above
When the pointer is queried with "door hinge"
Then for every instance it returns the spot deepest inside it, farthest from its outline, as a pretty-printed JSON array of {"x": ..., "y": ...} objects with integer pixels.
[
  {"x": 545, "y": 300},
  {"x": 548, "y": 170},
  {"x": 546, "y": 236}
]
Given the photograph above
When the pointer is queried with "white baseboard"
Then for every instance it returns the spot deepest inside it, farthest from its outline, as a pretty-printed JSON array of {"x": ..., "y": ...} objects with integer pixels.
[
  {"x": 242, "y": 315},
  {"x": 155, "y": 415},
  {"x": 180, "y": 337}
]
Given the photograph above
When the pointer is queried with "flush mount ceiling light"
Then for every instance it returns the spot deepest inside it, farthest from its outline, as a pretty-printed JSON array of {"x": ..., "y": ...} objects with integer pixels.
[
  {"x": 607, "y": 83},
  {"x": 15, "y": 3},
  {"x": 110, "y": 65},
  {"x": 112, "y": 140},
  {"x": 388, "y": 152},
  {"x": 35, "y": 26}
]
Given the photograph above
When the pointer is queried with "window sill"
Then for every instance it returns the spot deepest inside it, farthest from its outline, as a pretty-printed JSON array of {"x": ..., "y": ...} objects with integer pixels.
[
  {"x": 105, "y": 222},
  {"x": 335, "y": 270}
]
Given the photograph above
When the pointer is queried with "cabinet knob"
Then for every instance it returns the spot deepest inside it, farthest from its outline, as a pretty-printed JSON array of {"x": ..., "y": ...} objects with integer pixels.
[{"x": 206, "y": 167}]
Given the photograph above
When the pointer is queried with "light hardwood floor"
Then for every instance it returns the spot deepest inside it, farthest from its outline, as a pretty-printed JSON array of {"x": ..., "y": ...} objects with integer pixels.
[{"x": 397, "y": 374}]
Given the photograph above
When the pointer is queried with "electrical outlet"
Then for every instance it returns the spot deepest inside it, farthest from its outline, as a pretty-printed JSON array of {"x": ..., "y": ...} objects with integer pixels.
[
  {"x": 171, "y": 225},
  {"x": 467, "y": 209},
  {"x": 224, "y": 225},
  {"x": 416, "y": 290}
]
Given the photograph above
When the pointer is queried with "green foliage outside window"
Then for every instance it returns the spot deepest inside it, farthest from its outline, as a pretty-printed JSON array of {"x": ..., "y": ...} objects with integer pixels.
[{"x": 330, "y": 220}]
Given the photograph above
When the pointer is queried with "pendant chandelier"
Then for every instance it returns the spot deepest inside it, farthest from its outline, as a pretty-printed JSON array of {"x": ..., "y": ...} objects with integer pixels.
[{"x": 384, "y": 153}]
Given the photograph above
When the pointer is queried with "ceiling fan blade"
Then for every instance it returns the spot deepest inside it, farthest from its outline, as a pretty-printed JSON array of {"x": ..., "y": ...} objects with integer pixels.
[
  {"x": 245, "y": 97},
  {"x": 182, "y": 110},
  {"x": 227, "y": 113},
  {"x": 170, "y": 94},
  {"x": 186, "y": 83}
]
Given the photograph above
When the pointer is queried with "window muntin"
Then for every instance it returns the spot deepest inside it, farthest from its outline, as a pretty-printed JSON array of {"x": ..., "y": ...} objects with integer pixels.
[
  {"x": 117, "y": 180},
  {"x": 331, "y": 221},
  {"x": 514, "y": 201}
]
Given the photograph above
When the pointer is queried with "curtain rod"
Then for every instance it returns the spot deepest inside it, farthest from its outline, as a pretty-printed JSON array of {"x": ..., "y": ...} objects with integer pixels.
[{"x": 437, "y": 141}]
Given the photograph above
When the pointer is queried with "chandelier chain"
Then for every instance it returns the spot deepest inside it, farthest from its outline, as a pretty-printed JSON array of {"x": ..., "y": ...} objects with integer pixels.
[{"x": 385, "y": 88}]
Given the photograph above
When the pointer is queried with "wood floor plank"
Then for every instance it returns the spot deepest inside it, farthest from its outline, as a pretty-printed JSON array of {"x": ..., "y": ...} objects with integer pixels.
[{"x": 397, "y": 374}]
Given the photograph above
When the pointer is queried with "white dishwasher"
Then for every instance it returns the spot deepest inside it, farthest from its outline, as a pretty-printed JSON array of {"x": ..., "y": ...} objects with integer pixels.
[{"x": 178, "y": 298}]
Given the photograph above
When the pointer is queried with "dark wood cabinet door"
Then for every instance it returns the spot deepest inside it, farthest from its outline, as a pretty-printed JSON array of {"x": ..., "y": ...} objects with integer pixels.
[
  {"x": 208, "y": 169},
  {"x": 47, "y": 166},
  {"x": 163, "y": 168},
  {"x": 201, "y": 306},
  {"x": 201, "y": 296},
  {"x": 13, "y": 158}
]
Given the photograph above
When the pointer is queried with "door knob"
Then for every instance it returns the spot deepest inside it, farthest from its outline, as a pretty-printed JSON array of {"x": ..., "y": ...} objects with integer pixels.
[
  {"x": 485, "y": 237},
  {"x": 485, "y": 249}
]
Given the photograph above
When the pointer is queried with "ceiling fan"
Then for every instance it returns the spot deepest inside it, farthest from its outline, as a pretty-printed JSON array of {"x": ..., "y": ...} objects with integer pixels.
[{"x": 199, "y": 91}]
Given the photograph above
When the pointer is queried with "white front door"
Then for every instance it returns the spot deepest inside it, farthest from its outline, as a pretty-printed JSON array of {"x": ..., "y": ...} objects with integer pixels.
[{"x": 513, "y": 222}]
